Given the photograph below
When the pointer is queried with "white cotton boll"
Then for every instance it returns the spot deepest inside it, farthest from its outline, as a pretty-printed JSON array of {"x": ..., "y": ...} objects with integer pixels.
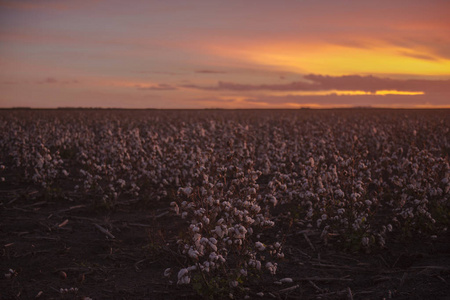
[
  {"x": 271, "y": 267},
  {"x": 184, "y": 215},
  {"x": 260, "y": 246},
  {"x": 234, "y": 283},
  {"x": 212, "y": 265},
  {"x": 339, "y": 193},
  {"x": 249, "y": 220},
  {"x": 184, "y": 280},
  {"x": 365, "y": 241},
  {"x": 324, "y": 217},
  {"x": 196, "y": 238},
  {"x": 255, "y": 208},
  {"x": 218, "y": 230},
  {"x": 286, "y": 280},
  {"x": 167, "y": 272},
  {"x": 269, "y": 223},
  {"x": 311, "y": 162},
  {"x": 220, "y": 259},
  {"x": 213, "y": 256},
  {"x": 389, "y": 227},
  {"x": 273, "y": 200},
  {"x": 319, "y": 222},
  {"x": 175, "y": 207},
  {"x": 192, "y": 268},
  {"x": 121, "y": 183},
  {"x": 187, "y": 191},
  {"x": 182, "y": 274},
  {"x": 258, "y": 265}
]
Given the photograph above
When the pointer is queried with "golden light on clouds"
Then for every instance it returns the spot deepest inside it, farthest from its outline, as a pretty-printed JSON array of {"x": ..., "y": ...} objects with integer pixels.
[
  {"x": 387, "y": 92},
  {"x": 337, "y": 60},
  {"x": 345, "y": 93}
]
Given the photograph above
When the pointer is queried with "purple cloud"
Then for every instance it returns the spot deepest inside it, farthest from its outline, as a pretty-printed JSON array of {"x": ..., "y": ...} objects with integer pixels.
[
  {"x": 357, "y": 100},
  {"x": 210, "y": 72},
  {"x": 158, "y": 87},
  {"x": 51, "y": 80},
  {"x": 341, "y": 83},
  {"x": 223, "y": 86}
]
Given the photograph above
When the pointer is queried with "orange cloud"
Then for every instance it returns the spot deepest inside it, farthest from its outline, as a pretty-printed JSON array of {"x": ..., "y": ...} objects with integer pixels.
[{"x": 343, "y": 54}]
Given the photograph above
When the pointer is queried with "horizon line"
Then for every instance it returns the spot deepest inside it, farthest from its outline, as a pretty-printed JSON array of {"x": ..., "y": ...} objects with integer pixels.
[{"x": 218, "y": 108}]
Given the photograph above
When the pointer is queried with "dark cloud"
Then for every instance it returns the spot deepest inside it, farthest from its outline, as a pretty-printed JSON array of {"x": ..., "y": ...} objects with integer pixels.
[
  {"x": 210, "y": 72},
  {"x": 373, "y": 84},
  {"x": 158, "y": 87},
  {"x": 341, "y": 83},
  {"x": 159, "y": 72},
  {"x": 51, "y": 80},
  {"x": 356, "y": 100},
  {"x": 216, "y": 100},
  {"x": 230, "y": 86}
]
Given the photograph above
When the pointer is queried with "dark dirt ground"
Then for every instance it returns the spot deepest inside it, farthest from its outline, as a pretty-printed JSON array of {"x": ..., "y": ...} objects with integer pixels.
[{"x": 53, "y": 243}]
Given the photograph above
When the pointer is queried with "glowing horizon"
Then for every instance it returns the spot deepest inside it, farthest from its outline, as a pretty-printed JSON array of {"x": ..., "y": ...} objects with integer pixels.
[{"x": 288, "y": 54}]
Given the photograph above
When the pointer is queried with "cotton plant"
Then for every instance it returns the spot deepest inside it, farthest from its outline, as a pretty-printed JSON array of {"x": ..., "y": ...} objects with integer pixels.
[{"x": 225, "y": 218}]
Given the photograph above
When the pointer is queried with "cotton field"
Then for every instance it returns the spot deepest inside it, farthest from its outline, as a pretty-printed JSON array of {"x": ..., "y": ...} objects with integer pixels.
[{"x": 358, "y": 179}]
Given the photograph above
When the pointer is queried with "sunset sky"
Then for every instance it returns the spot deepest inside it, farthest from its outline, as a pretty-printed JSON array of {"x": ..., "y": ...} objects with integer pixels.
[{"x": 225, "y": 54}]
